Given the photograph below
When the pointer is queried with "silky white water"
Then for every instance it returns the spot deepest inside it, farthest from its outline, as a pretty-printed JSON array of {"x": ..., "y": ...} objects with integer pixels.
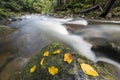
[{"x": 40, "y": 30}]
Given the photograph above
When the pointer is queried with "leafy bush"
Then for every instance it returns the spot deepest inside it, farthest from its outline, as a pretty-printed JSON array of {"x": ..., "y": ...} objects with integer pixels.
[
  {"x": 13, "y": 6},
  {"x": 5, "y": 13}
]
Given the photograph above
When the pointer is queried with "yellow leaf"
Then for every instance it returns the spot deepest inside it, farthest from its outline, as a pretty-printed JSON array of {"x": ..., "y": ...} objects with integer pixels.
[
  {"x": 68, "y": 58},
  {"x": 57, "y": 51},
  {"x": 41, "y": 62},
  {"x": 53, "y": 70},
  {"x": 46, "y": 53},
  {"x": 87, "y": 69},
  {"x": 33, "y": 68}
]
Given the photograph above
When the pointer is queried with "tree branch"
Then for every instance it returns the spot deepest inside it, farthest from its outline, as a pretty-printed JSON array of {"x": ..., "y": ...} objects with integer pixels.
[{"x": 90, "y": 9}]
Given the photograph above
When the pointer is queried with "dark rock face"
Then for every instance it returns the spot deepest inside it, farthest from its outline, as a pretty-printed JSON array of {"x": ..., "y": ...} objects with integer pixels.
[{"x": 106, "y": 48}]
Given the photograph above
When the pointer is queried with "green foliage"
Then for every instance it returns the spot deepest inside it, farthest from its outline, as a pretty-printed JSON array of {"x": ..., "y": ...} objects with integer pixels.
[
  {"x": 13, "y": 6},
  {"x": 48, "y": 6},
  {"x": 32, "y": 6},
  {"x": 9, "y": 7},
  {"x": 42, "y": 6},
  {"x": 5, "y": 13},
  {"x": 75, "y": 5}
]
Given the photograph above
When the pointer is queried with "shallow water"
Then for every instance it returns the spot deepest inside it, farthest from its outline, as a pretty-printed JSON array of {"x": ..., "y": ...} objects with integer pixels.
[{"x": 25, "y": 42}]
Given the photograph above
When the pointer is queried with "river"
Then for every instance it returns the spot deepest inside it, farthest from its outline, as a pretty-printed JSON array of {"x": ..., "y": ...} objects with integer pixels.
[{"x": 17, "y": 48}]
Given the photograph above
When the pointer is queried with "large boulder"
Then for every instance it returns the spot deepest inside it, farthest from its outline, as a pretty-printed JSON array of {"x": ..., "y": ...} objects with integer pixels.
[
  {"x": 54, "y": 56},
  {"x": 107, "y": 48}
]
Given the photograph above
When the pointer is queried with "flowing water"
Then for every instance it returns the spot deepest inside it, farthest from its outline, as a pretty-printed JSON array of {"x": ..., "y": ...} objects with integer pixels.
[{"x": 17, "y": 48}]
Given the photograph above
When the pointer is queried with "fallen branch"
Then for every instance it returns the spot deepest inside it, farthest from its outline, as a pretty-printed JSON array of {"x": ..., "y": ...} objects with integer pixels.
[{"x": 90, "y": 9}]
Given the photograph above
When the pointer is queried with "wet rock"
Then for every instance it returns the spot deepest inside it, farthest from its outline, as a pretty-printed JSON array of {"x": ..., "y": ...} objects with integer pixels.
[
  {"x": 66, "y": 71},
  {"x": 10, "y": 71},
  {"x": 107, "y": 48},
  {"x": 6, "y": 49},
  {"x": 4, "y": 30},
  {"x": 6, "y": 38}
]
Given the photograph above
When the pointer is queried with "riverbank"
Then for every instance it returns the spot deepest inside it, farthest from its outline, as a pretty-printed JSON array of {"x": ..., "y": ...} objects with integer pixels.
[{"x": 9, "y": 9}]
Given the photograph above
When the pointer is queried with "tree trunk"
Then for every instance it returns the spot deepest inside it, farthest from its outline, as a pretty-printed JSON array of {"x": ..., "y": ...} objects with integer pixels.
[
  {"x": 59, "y": 3},
  {"x": 107, "y": 8},
  {"x": 93, "y": 2}
]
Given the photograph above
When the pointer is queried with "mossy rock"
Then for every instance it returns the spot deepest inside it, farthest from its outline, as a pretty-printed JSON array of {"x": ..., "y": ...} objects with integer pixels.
[{"x": 66, "y": 71}]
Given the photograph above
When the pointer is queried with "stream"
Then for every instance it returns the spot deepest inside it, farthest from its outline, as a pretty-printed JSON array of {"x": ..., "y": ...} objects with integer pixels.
[{"x": 17, "y": 48}]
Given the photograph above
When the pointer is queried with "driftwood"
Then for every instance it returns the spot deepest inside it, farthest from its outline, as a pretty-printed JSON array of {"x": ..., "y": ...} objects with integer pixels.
[
  {"x": 104, "y": 12},
  {"x": 90, "y": 9}
]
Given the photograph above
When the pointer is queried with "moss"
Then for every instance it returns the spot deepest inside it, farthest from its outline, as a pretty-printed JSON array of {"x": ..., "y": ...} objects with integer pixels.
[
  {"x": 13, "y": 7},
  {"x": 51, "y": 60},
  {"x": 66, "y": 71}
]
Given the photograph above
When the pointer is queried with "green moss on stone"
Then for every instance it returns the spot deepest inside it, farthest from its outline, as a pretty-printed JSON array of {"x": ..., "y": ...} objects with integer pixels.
[{"x": 66, "y": 71}]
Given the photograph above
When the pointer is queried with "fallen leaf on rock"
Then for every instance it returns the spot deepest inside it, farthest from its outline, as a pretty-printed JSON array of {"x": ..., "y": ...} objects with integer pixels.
[
  {"x": 53, "y": 70},
  {"x": 46, "y": 53},
  {"x": 68, "y": 58},
  {"x": 87, "y": 69},
  {"x": 33, "y": 68},
  {"x": 57, "y": 51},
  {"x": 41, "y": 62}
]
